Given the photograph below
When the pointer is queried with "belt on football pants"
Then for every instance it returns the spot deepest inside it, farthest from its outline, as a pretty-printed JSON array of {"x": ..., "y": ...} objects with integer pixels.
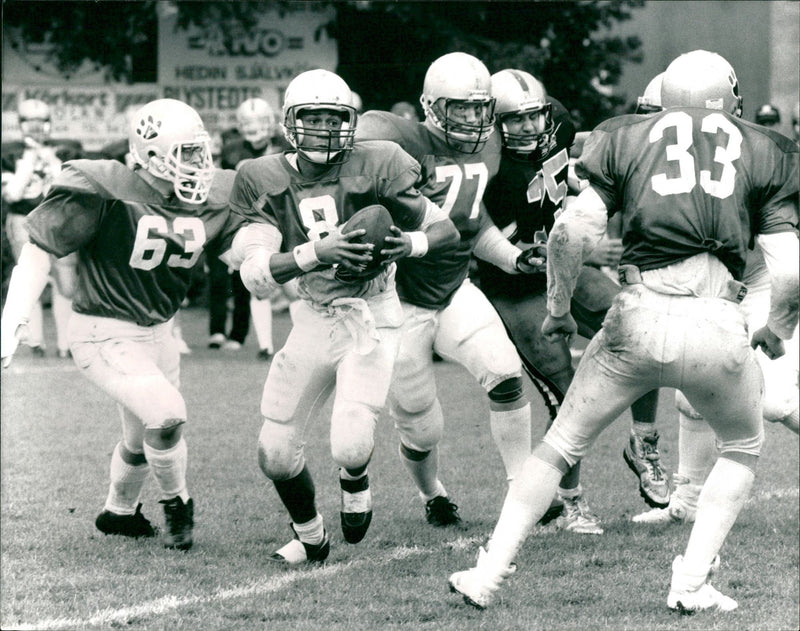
[{"x": 735, "y": 291}]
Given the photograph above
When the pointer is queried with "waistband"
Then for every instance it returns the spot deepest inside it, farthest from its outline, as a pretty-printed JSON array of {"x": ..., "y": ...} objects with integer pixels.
[{"x": 735, "y": 291}]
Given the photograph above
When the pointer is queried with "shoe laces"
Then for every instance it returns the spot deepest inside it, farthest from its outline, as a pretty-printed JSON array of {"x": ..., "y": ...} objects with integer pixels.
[
  {"x": 441, "y": 504},
  {"x": 652, "y": 457}
]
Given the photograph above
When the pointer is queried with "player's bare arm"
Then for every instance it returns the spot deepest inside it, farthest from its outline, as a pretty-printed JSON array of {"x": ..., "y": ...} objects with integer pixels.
[
  {"x": 28, "y": 280},
  {"x": 781, "y": 253}
]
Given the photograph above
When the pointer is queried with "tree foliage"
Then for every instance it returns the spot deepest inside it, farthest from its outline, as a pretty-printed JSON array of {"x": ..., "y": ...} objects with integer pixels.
[{"x": 384, "y": 47}]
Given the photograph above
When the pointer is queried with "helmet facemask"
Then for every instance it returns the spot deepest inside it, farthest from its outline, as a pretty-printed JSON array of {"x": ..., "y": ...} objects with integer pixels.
[
  {"x": 321, "y": 146},
  {"x": 463, "y": 136},
  {"x": 530, "y": 145}
]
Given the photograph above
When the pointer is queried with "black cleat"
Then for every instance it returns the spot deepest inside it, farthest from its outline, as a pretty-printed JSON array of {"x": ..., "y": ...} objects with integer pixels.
[
  {"x": 179, "y": 518},
  {"x": 553, "y": 512},
  {"x": 134, "y": 526},
  {"x": 356, "y": 512},
  {"x": 440, "y": 511}
]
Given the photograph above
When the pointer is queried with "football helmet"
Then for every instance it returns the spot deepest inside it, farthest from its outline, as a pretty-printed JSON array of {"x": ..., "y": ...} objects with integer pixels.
[
  {"x": 768, "y": 115},
  {"x": 34, "y": 120},
  {"x": 256, "y": 121},
  {"x": 520, "y": 93},
  {"x": 167, "y": 139},
  {"x": 701, "y": 79},
  {"x": 650, "y": 101},
  {"x": 319, "y": 90},
  {"x": 457, "y": 101}
]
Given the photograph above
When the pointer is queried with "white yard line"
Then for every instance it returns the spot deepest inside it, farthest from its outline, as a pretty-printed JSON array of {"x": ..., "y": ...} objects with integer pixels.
[{"x": 108, "y": 617}]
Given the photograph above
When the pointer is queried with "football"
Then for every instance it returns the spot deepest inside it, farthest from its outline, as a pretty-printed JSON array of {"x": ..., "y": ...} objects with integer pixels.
[{"x": 377, "y": 222}]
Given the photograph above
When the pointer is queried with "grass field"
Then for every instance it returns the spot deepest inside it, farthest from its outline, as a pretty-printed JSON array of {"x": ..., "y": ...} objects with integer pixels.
[{"x": 58, "y": 572}]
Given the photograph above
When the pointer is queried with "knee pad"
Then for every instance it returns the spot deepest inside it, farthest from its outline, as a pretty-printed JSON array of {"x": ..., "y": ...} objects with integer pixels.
[
  {"x": 750, "y": 446},
  {"x": 685, "y": 408},
  {"x": 420, "y": 431},
  {"x": 166, "y": 436},
  {"x": 507, "y": 391},
  {"x": 280, "y": 451},
  {"x": 352, "y": 434}
]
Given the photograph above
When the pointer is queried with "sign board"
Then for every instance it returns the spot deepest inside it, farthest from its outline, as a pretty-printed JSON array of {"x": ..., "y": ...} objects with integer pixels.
[{"x": 201, "y": 67}]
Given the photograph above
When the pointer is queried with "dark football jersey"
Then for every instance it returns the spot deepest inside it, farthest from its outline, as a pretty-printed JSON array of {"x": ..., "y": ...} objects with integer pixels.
[
  {"x": 136, "y": 248},
  {"x": 270, "y": 190},
  {"x": 454, "y": 181},
  {"x": 523, "y": 200},
  {"x": 691, "y": 180}
]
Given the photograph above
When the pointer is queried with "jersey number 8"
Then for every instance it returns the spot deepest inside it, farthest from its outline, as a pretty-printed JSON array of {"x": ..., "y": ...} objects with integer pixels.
[{"x": 678, "y": 152}]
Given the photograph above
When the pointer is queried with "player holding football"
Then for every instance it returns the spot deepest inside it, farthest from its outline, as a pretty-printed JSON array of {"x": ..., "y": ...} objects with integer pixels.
[
  {"x": 347, "y": 325},
  {"x": 444, "y": 312},
  {"x": 529, "y": 191},
  {"x": 138, "y": 233},
  {"x": 694, "y": 184}
]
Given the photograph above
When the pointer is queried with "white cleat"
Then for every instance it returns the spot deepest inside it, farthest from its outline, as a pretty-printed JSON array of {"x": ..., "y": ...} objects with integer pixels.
[
  {"x": 670, "y": 515},
  {"x": 476, "y": 585},
  {"x": 577, "y": 517},
  {"x": 700, "y": 600}
]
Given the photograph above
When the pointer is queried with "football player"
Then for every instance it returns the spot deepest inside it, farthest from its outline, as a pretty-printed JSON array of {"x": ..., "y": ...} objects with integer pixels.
[
  {"x": 694, "y": 184},
  {"x": 29, "y": 168},
  {"x": 445, "y": 313},
  {"x": 347, "y": 323},
  {"x": 138, "y": 233},
  {"x": 529, "y": 191}
]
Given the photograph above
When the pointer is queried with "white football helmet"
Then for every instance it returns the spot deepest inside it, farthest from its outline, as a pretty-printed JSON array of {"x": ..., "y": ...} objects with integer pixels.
[
  {"x": 701, "y": 79},
  {"x": 34, "y": 120},
  {"x": 256, "y": 121},
  {"x": 459, "y": 80},
  {"x": 167, "y": 138},
  {"x": 650, "y": 101},
  {"x": 518, "y": 92},
  {"x": 319, "y": 90}
]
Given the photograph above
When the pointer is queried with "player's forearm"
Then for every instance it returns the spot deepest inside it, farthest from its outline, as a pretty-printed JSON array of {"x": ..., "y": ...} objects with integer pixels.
[
  {"x": 493, "y": 247},
  {"x": 28, "y": 280},
  {"x": 16, "y": 184},
  {"x": 781, "y": 253},
  {"x": 576, "y": 232}
]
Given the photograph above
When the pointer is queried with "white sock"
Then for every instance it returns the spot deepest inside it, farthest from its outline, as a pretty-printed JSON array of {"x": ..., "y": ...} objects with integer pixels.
[
  {"x": 36, "y": 326},
  {"x": 511, "y": 431},
  {"x": 569, "y": 494},
  {"x": 724, "y": 494},
  {"x": 529, "y": 496},
  {"x": 311, "y": 532},
  {"x": 697, "y": 449},
  {"x": 425, "y": 474},
  {"x": 126, "y": 484},
  {"x": 261, "y": 316},
  {"x": 62, "y": 310},
  {"x": 169, "y": 469}
]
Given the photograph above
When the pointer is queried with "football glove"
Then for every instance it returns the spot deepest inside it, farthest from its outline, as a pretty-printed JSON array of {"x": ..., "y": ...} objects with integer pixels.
[{"x": 533, "y": 260}]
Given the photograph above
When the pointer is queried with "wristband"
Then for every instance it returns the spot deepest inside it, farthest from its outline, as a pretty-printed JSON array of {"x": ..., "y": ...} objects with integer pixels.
[
  {"x": 419, "y": 243},
  {"x": 305, "y": 256}
]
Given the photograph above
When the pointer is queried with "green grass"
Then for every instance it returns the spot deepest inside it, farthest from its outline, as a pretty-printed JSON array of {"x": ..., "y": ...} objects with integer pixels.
[{"x": 58, "y": 572}]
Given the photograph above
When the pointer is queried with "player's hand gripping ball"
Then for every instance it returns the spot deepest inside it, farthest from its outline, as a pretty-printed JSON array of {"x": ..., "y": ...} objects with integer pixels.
[{"x": 377, "y": 222}]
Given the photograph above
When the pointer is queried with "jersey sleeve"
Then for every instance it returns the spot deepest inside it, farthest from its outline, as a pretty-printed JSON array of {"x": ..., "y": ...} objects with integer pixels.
[
  {"x": 377, "y": 125},
  {"x": 595, "y": 165},
  {"x": 247, "y": 191},
  {"x": 777, "y": 200},
  {"x": 399, "y": 190},
  {"x": 69, "y": 216}
]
